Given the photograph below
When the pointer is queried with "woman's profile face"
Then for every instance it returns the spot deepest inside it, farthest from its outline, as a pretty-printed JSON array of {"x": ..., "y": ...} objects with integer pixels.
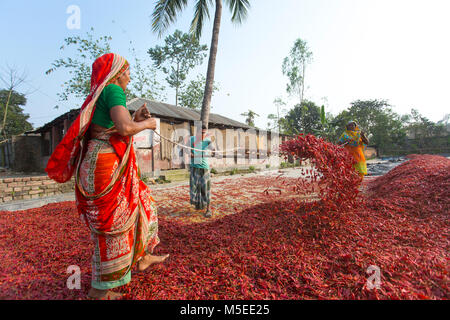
[
  {"x": 351, "y": 126},
  {"x": 124, "y": 79}
]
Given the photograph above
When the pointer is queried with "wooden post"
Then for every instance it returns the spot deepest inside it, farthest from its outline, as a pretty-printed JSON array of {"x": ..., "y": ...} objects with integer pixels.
[{"x": 53, "y": 139}]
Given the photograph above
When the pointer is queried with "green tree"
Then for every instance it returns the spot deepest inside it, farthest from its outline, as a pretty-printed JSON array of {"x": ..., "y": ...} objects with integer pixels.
[
  {"x": 273, "y": 122},
  {"x": 274, "y": 119},
  {"x": 79, "y": 63},
  {"x": 250, "y": 117},
  {"x": 16, "y": 121},
  {"x": 383, "y": 126},
  {"x": 324, "y": 131},
  {"x": 87, "y": 49},
  {"x": 424, "y": 133},
  {"x": 11, "y": 100},
  {"x": 192, "y": 95},
  {"x": 419, "y": 126},
  {"x": 180, "y": 54},
  {"x": 304, "y": 118},
  {"x": 166, "y": 12},
  {"x": 144, "y": 83},
  {"x": 294, "y": 67}
]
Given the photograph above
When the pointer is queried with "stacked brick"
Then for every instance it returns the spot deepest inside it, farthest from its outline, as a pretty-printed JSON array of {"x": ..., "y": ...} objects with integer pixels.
[{"x": 25, "y": 188}]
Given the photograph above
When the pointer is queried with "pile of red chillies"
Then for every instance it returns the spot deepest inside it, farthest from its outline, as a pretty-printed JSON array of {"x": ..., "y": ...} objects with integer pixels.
[{"x": 287, "y": 249}]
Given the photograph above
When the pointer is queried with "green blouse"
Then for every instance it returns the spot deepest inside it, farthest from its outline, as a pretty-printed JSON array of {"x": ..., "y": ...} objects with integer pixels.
[{"x": 111, "y": 96}]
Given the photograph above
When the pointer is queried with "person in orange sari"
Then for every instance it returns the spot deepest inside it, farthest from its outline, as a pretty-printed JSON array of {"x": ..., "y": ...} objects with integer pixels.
[
  {"x": 112, "y": 200},
  {"x": 355, "y": 141}
]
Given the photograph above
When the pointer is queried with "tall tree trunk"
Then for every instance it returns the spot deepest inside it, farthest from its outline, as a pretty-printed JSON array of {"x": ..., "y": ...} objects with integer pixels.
[
  {"x": 303, "y": 82},
  {"x": 6, "y": 112},
  {"x": 278, "y": 118},
  {"x": 178, "y": 84},
  {"x": 211, "y": 65}
]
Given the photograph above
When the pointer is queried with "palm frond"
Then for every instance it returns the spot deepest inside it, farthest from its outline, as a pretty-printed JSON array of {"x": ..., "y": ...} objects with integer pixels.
[
  {"x": 201, "y": 10},
  {"x": 239, "y": 10},
  {"x": 165, "y": 13}
]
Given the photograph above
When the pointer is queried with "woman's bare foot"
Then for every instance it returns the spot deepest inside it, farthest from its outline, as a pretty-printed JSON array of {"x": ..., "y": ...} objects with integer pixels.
[
  {"x": 148, "y": 260},
  {"x": 97, "y": 294}
]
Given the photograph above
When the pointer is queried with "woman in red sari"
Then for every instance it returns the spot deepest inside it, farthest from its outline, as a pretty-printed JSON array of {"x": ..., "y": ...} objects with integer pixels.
[{"x": 114, "y": 203}]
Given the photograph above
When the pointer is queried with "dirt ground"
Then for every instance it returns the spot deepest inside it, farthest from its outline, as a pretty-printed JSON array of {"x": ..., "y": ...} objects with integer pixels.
[{"x": 238, "y": 189}]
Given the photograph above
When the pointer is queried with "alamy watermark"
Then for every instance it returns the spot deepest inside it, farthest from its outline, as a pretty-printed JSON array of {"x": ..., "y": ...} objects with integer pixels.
[
  {"x": 74, "y": 20},
  {"x": 74, "y": 280},
  {"x": 374, "y": 281},
  {"x": 227, "y": 147}
]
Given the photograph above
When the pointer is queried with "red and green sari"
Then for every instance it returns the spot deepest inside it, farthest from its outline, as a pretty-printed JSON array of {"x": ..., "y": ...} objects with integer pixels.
[{"x": 114, "y": 203}]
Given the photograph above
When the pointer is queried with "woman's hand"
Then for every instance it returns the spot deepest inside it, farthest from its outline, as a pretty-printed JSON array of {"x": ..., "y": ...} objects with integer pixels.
[
  {"x": 126, "y": 126},
  {"x": 150, "y": 123},
  {"x": 364, "y": 137},
  {"x": 142, "y": 114}
]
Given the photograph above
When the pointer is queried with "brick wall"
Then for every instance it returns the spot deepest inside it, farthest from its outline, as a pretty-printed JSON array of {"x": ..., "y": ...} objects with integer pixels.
[{"x": 25, "y": 188}]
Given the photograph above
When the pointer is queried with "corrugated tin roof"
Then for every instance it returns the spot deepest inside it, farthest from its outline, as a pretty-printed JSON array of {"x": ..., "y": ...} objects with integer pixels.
[
  {"x": 68, "y": 115},
  {"x": 170, "y": 111},
  {"x": 159, "y": 109}
]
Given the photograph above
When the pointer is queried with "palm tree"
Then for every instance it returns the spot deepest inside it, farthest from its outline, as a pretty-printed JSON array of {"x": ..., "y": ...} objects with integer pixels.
[
  {"x": 250, "y": 117},
  {"x": 165, "y": 13}
]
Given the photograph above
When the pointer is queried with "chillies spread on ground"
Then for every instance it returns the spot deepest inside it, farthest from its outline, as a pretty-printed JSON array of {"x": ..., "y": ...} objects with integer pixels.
[{"x": 276, "y": 246}]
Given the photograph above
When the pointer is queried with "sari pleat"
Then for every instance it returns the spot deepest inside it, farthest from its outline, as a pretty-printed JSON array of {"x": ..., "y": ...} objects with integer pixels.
[
  {"x": 111, "y": 199},
  {"x": 123, "y": 221},
  {"x": 355, "y": 146}
]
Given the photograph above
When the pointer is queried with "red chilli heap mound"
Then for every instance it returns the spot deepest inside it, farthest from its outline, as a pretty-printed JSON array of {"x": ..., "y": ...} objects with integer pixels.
[
  {"x": 332, "y": 177},
  {"x": 278, "y": 250},
  {"x": 420, "y": 186}
]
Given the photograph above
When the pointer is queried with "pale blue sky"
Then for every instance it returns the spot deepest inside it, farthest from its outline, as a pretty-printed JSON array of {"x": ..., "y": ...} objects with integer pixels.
[{"x": 396, "y": 50}]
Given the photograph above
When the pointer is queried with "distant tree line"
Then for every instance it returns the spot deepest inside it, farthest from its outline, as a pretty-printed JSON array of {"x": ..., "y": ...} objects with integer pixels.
[{"x": 390, "y": 132}]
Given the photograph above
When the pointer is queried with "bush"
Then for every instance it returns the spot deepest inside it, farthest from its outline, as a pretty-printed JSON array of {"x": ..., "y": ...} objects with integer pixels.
[
  {"x": 251, "y": 169},
  {"x": 162, "y": 180},
  {"x": 213, "y": 171},
  {"x": 234, "y": 171},
  {"x": 267, "y": 166}
]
